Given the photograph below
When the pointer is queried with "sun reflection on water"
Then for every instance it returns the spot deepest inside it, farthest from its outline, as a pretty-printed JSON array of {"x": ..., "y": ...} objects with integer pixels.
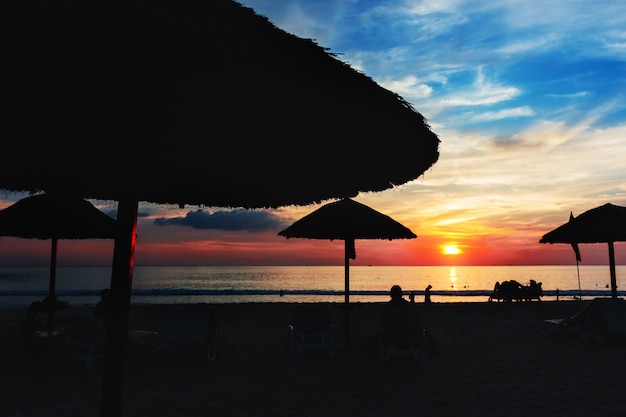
[{"x": 452, "y": 277}]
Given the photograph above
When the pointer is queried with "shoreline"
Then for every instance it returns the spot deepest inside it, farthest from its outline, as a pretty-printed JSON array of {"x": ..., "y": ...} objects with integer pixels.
[
  {"x": 10, "y": 300},
  {"x": 299, "y": 283},
  {"x": 488, "y": 360}
]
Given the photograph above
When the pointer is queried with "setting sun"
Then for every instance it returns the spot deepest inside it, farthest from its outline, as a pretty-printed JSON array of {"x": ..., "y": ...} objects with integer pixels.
[{"x": 451, "y": 250}]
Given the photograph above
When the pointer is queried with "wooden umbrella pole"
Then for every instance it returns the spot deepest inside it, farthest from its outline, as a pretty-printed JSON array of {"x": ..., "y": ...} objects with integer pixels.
[
  {"x": 117, "y": 314},
  {"x": 52, "y": 300},
  {"x": 580, "y": 292},
  {"x": 612, "y": 266},
  {"x": 347, "y": 253}
]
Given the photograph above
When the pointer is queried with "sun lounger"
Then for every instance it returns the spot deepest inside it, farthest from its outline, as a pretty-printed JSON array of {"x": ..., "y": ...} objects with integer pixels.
[
  {"x": 311, "y": 329},
  {"x": 602, "y": 320},
  {"x": 85, "y": 340},
  {"x": 190, "y": 332},
  {"x": 82, "y": 340},
  {"x": 402, "y": 334}
]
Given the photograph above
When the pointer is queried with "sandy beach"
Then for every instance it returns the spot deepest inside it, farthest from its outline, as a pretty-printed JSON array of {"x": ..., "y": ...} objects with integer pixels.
[{"x": 488, "y": 360}]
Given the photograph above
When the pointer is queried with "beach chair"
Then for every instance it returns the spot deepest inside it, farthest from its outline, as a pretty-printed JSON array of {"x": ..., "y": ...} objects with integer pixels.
[
  {"x": 311, "y": 329},
  {"x": 190, "y": 331},
  {"x": 402, "y": 334},
  {"x": 83, "y": 339},
  {"x": 602, "y": 320}
]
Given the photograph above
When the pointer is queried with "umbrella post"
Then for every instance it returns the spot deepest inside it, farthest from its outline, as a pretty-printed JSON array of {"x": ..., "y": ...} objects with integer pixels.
[
  {"x": 116, "y": 319},
  {"x": 52, "y": 300},
  {"x": 612, "y": 268},
  {"x": 348, "y": 253},
  {"x": 580, "y": 292}
]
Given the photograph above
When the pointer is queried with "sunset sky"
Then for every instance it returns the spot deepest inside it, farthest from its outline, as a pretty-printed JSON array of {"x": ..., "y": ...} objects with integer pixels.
[{"x": 527, "y": 98}]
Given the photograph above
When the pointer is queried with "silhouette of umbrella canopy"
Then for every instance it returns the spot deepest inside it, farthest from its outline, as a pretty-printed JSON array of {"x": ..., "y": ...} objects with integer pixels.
[
  {"x": 189, "y": 102},
  {"x": 347, "y": 220},
  {"x": 178, "y": 102},
  {"x": 603, "y": 224},
  {"x": 54, "y": 217}
]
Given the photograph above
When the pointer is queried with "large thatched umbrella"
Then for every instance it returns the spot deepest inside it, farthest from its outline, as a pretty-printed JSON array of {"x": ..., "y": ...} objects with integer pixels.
[
  {"x": 603, "y": 224},
  {"x": 347, "y": 220},
  {"x": 54, "y": 217},
  {"x": 188, "y": 102}
]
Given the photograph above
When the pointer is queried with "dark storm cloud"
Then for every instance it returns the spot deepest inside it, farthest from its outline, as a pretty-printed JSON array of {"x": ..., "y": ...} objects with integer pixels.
[
  {"x": 251, "y": 220},
  {"x": 113, "y": 213}
]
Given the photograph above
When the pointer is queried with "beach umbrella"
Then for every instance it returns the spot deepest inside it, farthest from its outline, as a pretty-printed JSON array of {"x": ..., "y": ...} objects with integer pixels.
[
  {"x": 188, "y": 102},
  {"x": 55, "y": 216},
  {"x": 347, "y": 220},
  {"x": 603, "y": 224}
]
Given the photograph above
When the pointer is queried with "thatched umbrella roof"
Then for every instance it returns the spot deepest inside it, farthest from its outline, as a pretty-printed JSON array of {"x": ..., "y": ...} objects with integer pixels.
[
  {"x": 602, "y": 224},
  {"x": 189, "y": 102},
  {"x": 605, "y": 223},
  {"x": 177, "y": 102},
  {"x": 347, "y": 220},
  {"x": 55, "y": 216}
]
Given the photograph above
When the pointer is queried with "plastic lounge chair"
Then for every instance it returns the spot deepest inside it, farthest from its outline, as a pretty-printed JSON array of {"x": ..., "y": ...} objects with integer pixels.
[
  {"x": 603, "y": 320},
  {"x": 401, "y": 334},
  {"x": 311, "y": 329},
  {"x": 190, "y": 331},
  {"x": 607, "y": 321},
  {"x": 85, "y": 340},
  {"x": 82, "y": 341}
]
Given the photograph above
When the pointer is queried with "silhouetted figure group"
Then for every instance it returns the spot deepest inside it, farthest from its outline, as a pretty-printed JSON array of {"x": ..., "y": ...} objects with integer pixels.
[
  {"x": 426, "y": 295},
  {"x": 507, "y": 291}
]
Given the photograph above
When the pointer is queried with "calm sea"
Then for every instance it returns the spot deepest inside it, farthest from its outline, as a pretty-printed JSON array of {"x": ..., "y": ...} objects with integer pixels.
[{"x": 19, "y": 286}]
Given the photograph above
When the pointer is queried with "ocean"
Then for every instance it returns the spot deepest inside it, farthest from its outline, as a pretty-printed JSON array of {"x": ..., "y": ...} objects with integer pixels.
[{"x": 81, "y": 285}]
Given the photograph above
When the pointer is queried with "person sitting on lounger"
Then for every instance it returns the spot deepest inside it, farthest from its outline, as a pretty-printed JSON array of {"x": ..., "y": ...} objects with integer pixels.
[
  {"x": 401, "y": 320},
  {"x": 31, "y": 323},
  {"x": 398, "y": 304}
]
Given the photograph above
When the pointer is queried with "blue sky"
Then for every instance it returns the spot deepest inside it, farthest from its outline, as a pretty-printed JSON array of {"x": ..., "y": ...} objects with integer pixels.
[{"x": 527, "y": 98}]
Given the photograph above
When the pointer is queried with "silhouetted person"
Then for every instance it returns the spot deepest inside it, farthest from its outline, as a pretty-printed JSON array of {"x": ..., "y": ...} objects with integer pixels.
[
  {"x": 533, "y": 291},
  {"x": 427, "y": 294},
  {"x": 102, "y": 312},
  {"x": 31, "y": 323},
  {"x": 103, "y": 305},
  {"x": 396, "y": 297},
  {"x": 412, "y": 297},
  {"x": 397, "y": 304},
  {"x": 495, "y": 293}
]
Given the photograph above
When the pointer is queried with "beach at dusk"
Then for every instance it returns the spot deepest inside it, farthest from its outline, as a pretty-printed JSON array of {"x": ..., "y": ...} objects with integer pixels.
[
  {"x": 232, "y": 161},
  {"x": 487, "y": 359}
]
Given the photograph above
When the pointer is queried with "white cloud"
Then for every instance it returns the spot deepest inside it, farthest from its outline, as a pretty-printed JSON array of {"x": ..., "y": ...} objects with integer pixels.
[
  {"x": 570, "y": 95},
  {"x": 524, "y": 111},
  {"x": 409, "y": 86},
  {"x": 483, "y": 93}
]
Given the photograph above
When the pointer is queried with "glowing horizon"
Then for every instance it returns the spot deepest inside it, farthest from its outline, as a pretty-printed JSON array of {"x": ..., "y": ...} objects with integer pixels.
[{"x": 531, "y": 122}]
